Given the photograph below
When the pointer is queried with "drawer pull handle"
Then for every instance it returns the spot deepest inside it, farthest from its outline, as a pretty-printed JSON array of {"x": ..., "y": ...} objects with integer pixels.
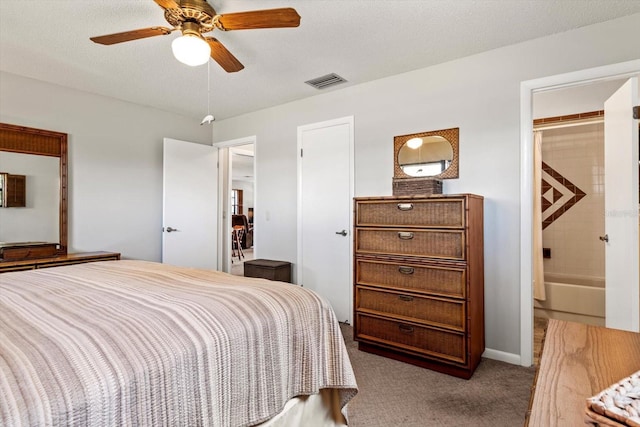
[
  {"x": 405, "y": 270},
  {"x": 405, "y": 206},
  {"x": 405, "y": 328},
  {"x": 405, "y": 235},
  {"x": 405, "y": 297}
]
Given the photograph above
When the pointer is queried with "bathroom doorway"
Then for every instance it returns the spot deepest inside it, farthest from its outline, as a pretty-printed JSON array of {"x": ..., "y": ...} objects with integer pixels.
[
  {"x": 571, "y": 174},
  {"x": 528, "y": 90},
  {"x": 574, "y": 209}
]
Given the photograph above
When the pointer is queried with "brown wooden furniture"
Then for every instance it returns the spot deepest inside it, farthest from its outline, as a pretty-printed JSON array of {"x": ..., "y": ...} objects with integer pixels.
[
  {"x": 27, "y": 250},
  {"x": 27, "y": 256},
  {"x": 419, "y": 280},
  {"x": 55, "y": 261},
  {"x": 20, "y": 139},
  {"x": 237, "y": 233},
  {"x": 578, "y": 361},
  {"x": 13, "y": 190},
  {"x": 247, "y": 230},
  {"x": 268, "y": 269}
]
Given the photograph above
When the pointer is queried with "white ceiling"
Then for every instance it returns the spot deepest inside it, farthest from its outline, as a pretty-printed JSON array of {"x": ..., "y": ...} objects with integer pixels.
[{"x": 361, "y": 40}]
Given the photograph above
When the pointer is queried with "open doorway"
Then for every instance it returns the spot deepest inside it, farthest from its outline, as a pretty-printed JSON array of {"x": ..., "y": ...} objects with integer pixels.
[
  {"x": 242, "y": 203},
  {"x": 530, "y": 89},
  {"x": 237, "y": 199}
]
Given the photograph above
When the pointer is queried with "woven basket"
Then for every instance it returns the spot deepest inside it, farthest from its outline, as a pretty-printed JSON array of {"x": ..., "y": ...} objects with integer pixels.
[
  {"x": 618, "y": 405},
  {"x": 416, "y": 186}
]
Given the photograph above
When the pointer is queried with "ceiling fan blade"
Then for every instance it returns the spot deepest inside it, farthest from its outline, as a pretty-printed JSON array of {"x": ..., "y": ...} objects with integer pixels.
[
  {"x": 223, "y": 57},
  {"x": 131, "y": 35},
  {"x": 168, "y": 4},
  {"x": 270, "y": 18}
]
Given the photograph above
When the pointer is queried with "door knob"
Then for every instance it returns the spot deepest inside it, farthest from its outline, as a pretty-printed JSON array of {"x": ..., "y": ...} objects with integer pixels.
[
  {"x": 604, "y": 238},
  {"x": 170, "y": 229},
  {"x": 342, "y": 233}
]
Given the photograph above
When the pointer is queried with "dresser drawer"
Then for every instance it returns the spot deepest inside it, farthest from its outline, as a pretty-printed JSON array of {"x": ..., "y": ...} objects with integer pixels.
[
  {"x": 446, "y": 281},
  {"x": 76, "y": 261},
  {"x": 20, "y": 252},
  {"x": 6, "y": 267},
  {"x": 440, "y": 213},
  {"x": 447, "y": 244},
  {"x": 410, "y": 337},
  {"x": 437, "y": 311}
]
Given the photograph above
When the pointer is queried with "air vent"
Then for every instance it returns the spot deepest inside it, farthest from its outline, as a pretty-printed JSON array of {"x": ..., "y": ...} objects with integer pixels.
[{"x": 326, "y": 81}]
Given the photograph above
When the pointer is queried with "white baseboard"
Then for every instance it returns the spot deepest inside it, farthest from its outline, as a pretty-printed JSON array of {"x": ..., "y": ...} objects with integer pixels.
[{"x": 502, "y": 356}]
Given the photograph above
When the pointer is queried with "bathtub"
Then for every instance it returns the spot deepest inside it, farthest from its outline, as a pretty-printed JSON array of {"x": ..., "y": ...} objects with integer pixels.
[{"x": 573, "y": 298}]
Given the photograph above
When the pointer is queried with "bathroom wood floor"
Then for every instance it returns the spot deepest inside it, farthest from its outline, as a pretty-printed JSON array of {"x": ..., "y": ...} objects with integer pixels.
[{"x": 539, "y": 326}]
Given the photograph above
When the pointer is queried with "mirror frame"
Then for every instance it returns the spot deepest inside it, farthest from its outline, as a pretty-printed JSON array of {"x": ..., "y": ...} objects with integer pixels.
[
  {"x": 21, "y": 139},
  {"x": 452, "y": 135}
]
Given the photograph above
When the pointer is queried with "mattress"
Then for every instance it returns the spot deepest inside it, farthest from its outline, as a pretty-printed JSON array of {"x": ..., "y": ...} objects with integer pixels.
[{"x": 141, "y": 343}]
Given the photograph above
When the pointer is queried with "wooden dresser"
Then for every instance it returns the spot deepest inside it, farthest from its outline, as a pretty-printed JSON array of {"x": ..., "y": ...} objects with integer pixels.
[
  {"x": 419, "y": 280},
  {"x": 55, "y": 261}
]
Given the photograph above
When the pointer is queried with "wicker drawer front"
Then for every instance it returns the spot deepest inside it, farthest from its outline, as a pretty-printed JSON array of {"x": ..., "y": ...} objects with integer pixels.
[
  {"x": 421, "y": 339},
  {"x": 436, "y": 280},
  {"x": 419, "y": 243},
  {"x": 437, "y": 311},
  {"x": 443, "y": 213}
]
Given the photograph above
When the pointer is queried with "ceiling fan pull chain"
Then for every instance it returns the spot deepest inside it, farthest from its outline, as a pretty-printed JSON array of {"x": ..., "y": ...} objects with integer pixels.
[{"x": 208, "y": 118}]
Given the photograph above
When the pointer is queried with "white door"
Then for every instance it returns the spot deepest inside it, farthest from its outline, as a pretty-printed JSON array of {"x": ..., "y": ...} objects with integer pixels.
[
  {"x": 622, "y": 292},
  {"x": 190, "y": 204},
  {"x": 325, "y": 192}
]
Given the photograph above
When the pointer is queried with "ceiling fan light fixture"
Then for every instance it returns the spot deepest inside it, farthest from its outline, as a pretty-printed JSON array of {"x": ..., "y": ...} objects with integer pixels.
[{"x": 191, "y": 49}]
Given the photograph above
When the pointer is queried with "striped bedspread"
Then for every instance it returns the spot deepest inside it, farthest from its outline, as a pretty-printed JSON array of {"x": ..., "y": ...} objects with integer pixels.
[{"x": 139, "y": 343}]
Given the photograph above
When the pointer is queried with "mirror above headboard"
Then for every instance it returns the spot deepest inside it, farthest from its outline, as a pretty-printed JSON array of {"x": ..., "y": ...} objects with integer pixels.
[{"x": 41, "y": 156}]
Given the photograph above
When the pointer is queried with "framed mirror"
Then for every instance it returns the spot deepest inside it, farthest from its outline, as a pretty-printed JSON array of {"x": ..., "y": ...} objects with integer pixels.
[
  {"x": 427, "y": 154},
  {"x": 40, "y": 156}
]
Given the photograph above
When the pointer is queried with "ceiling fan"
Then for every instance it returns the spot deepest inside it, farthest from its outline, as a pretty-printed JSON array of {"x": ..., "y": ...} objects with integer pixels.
[{"x": 195, "y": 18}]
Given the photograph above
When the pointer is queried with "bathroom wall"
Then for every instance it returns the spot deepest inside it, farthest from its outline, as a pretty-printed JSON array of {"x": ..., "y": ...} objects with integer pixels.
[{"x": 573, "y": 200}]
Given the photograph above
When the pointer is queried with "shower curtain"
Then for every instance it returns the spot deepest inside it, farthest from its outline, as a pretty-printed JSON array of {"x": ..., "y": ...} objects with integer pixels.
[{"x": 538, "y": 266}]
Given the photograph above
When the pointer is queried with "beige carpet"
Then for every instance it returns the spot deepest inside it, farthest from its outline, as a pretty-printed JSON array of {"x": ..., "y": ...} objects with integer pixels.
[{"x": 393, "y": 393}]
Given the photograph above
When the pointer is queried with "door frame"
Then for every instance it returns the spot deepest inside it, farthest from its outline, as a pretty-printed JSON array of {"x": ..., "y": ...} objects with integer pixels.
[
  {"x": 348, "y": 120},
  {"x": 224, "y": 197},
  {"x": 527, "y": 89}
]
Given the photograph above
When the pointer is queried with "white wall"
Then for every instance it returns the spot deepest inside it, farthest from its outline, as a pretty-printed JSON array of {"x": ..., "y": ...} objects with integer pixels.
[
  {"x": 115, "y": 161},
  {"x": 480, "y": 95}
]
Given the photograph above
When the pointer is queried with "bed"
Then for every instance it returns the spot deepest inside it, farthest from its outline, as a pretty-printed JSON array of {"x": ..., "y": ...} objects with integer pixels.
[{"x": 141, "y": 343}]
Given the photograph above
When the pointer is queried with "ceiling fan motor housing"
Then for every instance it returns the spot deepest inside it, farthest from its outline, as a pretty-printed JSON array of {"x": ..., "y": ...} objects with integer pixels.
[{"x": 192, "y": 15}]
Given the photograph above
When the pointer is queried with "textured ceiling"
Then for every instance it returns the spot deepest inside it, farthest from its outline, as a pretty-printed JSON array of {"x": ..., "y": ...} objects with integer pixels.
[{"x": 361, "y": 40}]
